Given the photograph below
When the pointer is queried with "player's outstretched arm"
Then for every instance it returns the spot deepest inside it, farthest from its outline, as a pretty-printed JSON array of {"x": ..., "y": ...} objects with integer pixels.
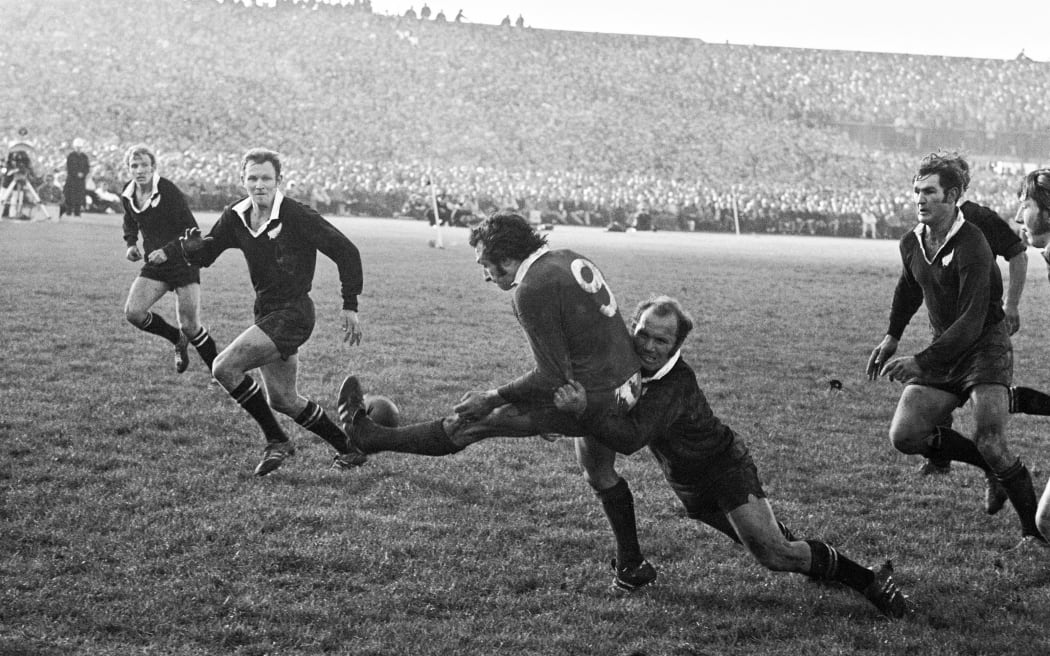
[{"x": 188, "y": 247}]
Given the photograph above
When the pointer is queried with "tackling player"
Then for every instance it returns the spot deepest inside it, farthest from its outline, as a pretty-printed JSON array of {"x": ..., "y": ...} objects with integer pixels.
[
  {"x": 280, "y": 239},
  {"x": 575, "y": 330},
  {"x": 709, "y": 468},
  {"x": 155, "y": 207},
  {"x": 948, "y": 265}
]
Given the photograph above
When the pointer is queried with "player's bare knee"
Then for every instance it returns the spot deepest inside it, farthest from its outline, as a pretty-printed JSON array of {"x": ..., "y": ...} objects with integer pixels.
[
  {"x": 190, "y": 327},
  {"x": 135, "y": 316},
  {"x": 907, "y": 441},
  {"x": 589, "y": 478},
  {"x": 224, "y": 371},
  {"x": 601, "y": 479}
]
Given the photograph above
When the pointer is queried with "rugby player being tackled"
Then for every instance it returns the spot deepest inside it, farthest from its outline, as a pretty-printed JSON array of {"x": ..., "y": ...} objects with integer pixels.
[{"x": 576, "y": 332}]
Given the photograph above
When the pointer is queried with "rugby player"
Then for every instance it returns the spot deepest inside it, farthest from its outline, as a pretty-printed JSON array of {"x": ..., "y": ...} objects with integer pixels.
[
  {"x": 1034, "y": 215},
  {"x": 576, "y": 332},
  {"x": 280, "y": 239},
  {"x": 708, "y": 466},
  {"x": 947, "y": 263},
  {"x": 1004, "y": 243},
  {"x": 155, "y": 207}
]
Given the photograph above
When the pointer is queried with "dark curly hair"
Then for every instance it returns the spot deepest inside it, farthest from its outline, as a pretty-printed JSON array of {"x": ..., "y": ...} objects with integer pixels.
[
  {"x": 949, "y": 173},
  {"x": 1036, "y": 186},
  {"x": 506, "y": 235}
]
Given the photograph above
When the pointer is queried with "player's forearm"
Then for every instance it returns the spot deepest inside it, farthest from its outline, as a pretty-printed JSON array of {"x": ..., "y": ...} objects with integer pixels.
[
  {"x": 907, "y": 299},
  {"x": 1018, "y": 277}
]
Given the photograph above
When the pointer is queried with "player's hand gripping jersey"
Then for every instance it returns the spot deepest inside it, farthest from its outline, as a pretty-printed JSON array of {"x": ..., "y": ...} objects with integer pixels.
[{"x": 575, "y": 331}]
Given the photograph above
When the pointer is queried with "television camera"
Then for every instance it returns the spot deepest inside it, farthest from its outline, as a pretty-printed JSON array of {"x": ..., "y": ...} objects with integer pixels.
[{"x": 18, "y": 197}]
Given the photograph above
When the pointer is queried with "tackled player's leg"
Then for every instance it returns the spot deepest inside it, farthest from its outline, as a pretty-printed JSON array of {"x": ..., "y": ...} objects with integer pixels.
[{"x": 598, "y": 463}]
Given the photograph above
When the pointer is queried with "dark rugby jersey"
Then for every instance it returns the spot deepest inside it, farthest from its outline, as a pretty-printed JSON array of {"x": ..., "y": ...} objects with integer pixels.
[
  {"x": 574, "y": 328},
  {"x": 961, "y": 286},
  {"x": 164, "y": 218},
  {"x": 674, "y": 419},
  {"x": 282, "y": 256},
  {"x": 1003, "y": 241}
]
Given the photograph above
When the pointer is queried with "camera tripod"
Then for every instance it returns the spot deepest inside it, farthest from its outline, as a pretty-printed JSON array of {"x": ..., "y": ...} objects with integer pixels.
[{"x": 18, "y": 195}]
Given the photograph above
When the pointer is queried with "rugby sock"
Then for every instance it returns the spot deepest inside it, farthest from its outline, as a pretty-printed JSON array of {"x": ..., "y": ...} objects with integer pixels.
[
  {"x": 250, "y": 397},
  {"x": 1018, "y": 484},
  {"x": 313, "y": 419},
  {"x": 1025, "y": 400},
  {"x": 618, "y": 503},
  {"x": 826, "y": 563},
  {"x": 154, "y": 323},
  {"x": 205, "y": 346},
  {"x": 425, "y": 439},
  {"x": 940, "y": 461},
  {"x": 946, "y": 444}
]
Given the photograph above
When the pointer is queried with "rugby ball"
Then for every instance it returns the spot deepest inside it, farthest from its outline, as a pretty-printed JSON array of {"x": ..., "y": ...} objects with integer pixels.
[{"x": 381, "y": 410}]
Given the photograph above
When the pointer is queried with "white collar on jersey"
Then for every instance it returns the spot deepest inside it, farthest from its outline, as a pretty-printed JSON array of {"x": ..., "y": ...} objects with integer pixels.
[
  {"x": 242, "y": 211},
  {"x": 129, "y": 193},
  {"x": 523, "y": 268},
  {"x": 920, "y": 230},
  {"x": 664, "y": 369}
]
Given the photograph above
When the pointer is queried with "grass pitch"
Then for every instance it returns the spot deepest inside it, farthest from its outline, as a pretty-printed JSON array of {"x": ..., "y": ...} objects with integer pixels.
[{"x": 130, "y": 522}]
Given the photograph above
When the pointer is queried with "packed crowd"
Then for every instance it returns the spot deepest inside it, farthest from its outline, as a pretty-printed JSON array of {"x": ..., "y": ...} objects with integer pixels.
[{"x": 584, "y": 128}]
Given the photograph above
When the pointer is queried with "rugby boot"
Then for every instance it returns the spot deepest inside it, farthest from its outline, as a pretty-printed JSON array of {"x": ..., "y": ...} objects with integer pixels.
[
  {"x": 182, "y": 355},
  {"x": 273, "y": 457},
  {"x": 886, "y": 595},
  {"x": 350, "y": 460},
  {"x": 629, "y": 579}
]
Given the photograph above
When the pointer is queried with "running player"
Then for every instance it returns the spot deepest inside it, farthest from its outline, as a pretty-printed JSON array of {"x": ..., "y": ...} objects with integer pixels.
[
  {"x": 280, "y": 239},
  {"x": 1004, "y": 243},
  {"x": 948, "y": 265},
  {"x": 154, "y": 207}
]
